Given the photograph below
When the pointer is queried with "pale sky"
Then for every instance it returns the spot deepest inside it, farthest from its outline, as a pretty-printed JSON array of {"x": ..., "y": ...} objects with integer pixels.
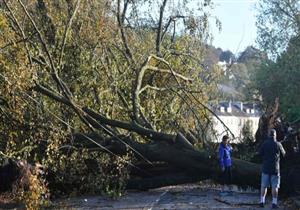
[
  {"x": 237, "y": 18},
  {"x": 238, "y": 24}
]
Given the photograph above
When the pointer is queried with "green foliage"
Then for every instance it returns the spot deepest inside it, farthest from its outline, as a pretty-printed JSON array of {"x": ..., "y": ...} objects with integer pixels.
[
  {"x": 90, "y": 55},
  {"x": 278, "y": 35},
  {"x": 32, "y": 127},
  {"x": 277, "y": 22},
  {"x": 280, "y": 79},
  {"x": 80, "y": 171}
]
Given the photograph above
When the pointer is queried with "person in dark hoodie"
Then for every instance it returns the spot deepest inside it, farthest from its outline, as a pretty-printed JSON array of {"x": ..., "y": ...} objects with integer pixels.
[
  {"x": 225, "y": 162},
  {"x": 270, "y": 152}
]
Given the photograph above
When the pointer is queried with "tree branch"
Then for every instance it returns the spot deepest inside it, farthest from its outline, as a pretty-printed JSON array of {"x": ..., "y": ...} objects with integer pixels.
[
  {"x": 152, "y": 87},
  {"x": 139, "y": 80},
  {"x": 16, "y": 42},
  {"x": 68, "y": 26},
  {"x": 195, "y": 98},
  {"x": 159, "y": 28},
  {"x": 85, "y": 119},
  {"x": 92, "y": 116},
  {"x": 154, "y": 135},
  {"x": 171, "y": 19},
  {"x": 170, "y": 72},
  {"x": 138, "y": 85},
  {"x": 120, "y": 18}
]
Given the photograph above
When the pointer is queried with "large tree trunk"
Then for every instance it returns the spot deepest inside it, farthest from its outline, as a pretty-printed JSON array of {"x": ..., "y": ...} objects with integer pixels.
[
  {"x": 266, "y": 121},
  {"x": 184, "y": 164},
  {"x": 196, "y": 164}
]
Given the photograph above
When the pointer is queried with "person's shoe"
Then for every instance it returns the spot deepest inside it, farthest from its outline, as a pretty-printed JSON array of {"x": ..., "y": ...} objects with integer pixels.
[
  {"x": 261, "y": 205},
  {"x": 274, "y": 206}
]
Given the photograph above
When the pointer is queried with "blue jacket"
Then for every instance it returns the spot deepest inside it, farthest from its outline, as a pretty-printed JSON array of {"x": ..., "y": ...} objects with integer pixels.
[{"x": 224, "y": 155}]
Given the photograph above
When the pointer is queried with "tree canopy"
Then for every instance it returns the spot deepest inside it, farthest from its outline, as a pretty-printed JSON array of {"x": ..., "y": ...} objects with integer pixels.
[
  {"x": 277, "y": 22},
  {"x": 280, "y": 79},
  {"x": 278, "y": 35}
]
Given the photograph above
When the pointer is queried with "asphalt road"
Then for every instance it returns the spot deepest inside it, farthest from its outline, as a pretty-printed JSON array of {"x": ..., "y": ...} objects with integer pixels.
[{"x": 181, "y": 197}]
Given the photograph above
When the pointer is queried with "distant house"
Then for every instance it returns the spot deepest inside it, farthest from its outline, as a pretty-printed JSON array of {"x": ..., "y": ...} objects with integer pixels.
[{"x": 235, "y": 115}]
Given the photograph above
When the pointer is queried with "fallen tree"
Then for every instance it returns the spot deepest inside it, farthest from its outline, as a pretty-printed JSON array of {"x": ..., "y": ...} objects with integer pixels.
[
  {"x": 196, "y": 165},
  {"x": 177, "y": 151},
  {"x": 183, "y": 162},
  {"x": 185, "y": 165}
]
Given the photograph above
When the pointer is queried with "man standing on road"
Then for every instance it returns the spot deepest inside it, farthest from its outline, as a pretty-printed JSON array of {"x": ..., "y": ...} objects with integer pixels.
[{"x": 270, "y": 153}]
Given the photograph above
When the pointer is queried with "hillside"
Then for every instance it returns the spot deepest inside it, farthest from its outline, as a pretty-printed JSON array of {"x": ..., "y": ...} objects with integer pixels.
[{"x": 237, "y": 70}]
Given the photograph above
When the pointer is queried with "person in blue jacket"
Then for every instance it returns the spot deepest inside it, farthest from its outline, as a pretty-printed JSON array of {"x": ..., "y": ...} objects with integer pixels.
[{"x": 225, "y": 161}]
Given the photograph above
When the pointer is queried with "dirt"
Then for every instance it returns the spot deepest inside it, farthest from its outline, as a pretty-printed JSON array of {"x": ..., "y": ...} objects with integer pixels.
[{"x": 182, "y": 197}]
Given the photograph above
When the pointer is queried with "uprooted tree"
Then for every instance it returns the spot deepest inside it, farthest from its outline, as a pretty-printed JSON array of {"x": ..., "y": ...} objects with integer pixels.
[{"x": 92, "y": 88}]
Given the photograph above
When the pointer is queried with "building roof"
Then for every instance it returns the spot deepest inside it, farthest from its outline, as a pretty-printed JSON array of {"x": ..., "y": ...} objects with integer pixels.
[{"x": 238, "y": 109}]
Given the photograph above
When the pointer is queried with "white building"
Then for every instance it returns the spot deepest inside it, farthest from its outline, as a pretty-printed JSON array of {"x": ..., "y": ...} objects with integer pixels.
[{"x": 235, "y": 115}]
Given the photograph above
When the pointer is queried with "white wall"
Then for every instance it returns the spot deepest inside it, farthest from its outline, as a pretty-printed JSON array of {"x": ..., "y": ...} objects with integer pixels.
[{"x": 235, "y": 124}]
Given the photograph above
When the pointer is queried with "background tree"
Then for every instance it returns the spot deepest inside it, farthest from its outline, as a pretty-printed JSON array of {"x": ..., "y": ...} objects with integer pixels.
[
  {"x": 279, "y": 79},
  {"x": 278, "y": 31},
  {"x": 237, "y": 74},
  {"x": 277, "y": 22}
]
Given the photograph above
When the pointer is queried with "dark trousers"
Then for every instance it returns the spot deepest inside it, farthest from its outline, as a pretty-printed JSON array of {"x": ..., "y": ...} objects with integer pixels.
[{"x": 226, "y": 175}]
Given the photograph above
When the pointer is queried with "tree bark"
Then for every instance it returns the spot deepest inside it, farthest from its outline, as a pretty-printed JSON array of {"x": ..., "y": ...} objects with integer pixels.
[{"x": 197, "y": 164}]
